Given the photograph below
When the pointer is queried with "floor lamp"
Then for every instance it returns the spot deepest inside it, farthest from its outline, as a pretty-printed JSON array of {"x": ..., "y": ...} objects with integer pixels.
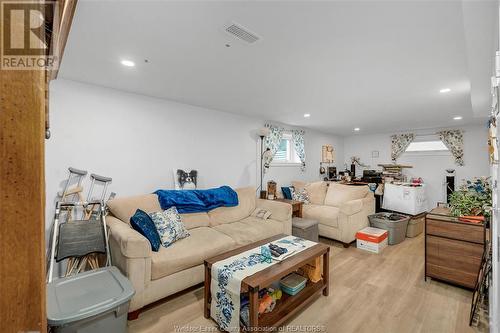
[{"x": 263, "y": 132}]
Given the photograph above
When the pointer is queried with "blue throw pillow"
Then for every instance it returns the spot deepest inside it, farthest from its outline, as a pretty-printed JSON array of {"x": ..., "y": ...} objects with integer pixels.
[
  {"x": 287, "y": 193},
  {"x": 143, "y": 223}
]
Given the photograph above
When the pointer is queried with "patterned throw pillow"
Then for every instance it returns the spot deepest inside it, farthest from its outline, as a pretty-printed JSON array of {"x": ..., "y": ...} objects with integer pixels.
[
  {"x": 169, "y": 226},
  {"x": 142, "y": 222},
  {"x": 261, "y": 213},
  {"x": 301, "y": 195}
]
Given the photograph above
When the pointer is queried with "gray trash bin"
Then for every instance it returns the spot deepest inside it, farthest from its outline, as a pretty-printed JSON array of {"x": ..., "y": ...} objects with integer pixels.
[
  {"x": 91, "y": 302},
  {"x": 395, "y": 224}
]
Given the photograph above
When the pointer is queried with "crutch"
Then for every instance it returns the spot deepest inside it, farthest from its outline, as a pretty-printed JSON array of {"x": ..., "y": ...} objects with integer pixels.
[
  {"x": 88, "y": 213},
  {"x": 96, "y": 179},
  {"x": 78, "y": 189},
  {"x": 75, "y": 194}
]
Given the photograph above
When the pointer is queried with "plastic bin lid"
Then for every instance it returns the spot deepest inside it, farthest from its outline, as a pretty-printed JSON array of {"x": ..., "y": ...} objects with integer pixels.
[
  {"x": 86, "y": 295},
  {"x": 293, "y": 281}
]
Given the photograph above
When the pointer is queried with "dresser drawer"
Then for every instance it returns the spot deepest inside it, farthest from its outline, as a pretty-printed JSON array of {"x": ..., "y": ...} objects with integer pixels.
[
  {"x": 453, "y": 260},
  {"x": 460, "y": 231},
  {"x": 460, "y": 278}
]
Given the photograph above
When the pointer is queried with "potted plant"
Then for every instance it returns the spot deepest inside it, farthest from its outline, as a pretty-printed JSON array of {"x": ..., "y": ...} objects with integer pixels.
[{"x": 472, "y": 199}]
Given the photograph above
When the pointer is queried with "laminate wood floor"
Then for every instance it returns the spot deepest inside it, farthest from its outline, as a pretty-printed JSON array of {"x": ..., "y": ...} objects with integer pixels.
[{"x": 368, "y": 293}]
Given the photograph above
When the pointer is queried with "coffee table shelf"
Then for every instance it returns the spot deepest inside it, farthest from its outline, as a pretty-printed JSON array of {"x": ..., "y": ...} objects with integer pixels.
[{"x": 288, "y": 305}]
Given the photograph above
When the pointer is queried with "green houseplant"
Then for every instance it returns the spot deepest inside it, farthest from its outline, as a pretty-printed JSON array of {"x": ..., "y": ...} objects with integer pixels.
[{"x": 472, "y": 198}]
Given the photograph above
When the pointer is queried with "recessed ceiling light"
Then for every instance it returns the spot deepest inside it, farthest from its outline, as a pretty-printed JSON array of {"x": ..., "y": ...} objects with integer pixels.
[
  {"x": 445, "y": 90},
  {"x": 457, "y": 118},
  {"x": 127, "y": 63},
  {"x": 357, "y": 129},
  {"x": 307, "y": 115}
]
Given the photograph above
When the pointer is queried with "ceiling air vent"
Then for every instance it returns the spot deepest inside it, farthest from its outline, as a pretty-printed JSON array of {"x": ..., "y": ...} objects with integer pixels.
[{"x": 242, "y": 33}]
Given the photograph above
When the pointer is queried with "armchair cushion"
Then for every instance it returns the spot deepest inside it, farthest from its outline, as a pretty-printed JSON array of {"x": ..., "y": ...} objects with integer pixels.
[
  {"x": 317, "y": 192},
  {"x": 351, "y": 207},
  {"x": 326, "y": 215},
  {"x": 338, "y": 194}
]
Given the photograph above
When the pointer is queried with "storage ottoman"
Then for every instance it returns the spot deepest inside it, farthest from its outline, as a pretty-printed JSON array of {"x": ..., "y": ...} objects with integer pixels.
[{"x": 305, "y": 228}]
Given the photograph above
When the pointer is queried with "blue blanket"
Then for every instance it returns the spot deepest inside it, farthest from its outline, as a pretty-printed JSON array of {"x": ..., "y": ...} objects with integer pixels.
[{"x": 194, "y": 201}]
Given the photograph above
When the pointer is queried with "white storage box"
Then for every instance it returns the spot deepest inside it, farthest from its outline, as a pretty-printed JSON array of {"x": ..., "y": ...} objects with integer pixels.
[
  {"x": 371, "y": 239},
  {"x": 405, "y": 199}
]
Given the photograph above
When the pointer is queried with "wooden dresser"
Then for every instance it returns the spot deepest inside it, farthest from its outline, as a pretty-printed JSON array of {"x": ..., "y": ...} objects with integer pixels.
[{"x": 453, "y": 249}]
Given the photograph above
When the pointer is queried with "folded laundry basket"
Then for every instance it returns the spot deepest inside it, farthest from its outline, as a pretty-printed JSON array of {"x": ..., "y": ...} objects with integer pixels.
[
  {"x": 92, "y": 302},
  {"x": 395, "y": 224}
]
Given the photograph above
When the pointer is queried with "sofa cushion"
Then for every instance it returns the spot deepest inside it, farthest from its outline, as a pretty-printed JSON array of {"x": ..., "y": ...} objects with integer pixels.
[
  {"x": 203, "y": 243},
  {"x": 195, "y": 220},
  {"x": 338, "y": 194},
  {"x": 317, "y": 192},
  {"x": 251, "y": 229},
  {"x": 326, "y": 215},
  {"x": 246, "y": 205},
  {"x": 123, "y": 208},
  {"x": 143, "y": 223}
]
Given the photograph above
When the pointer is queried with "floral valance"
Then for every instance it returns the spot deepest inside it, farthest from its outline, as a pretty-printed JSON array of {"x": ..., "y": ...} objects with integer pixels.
[
  {"x": 454, "y": 141},
  {"x": 299, "y": 144},
  {"x": 399, "y": 143}
]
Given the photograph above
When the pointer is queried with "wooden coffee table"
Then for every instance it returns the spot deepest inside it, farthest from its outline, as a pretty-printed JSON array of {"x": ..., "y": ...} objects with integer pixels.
[{"x": 288, "y": 305}]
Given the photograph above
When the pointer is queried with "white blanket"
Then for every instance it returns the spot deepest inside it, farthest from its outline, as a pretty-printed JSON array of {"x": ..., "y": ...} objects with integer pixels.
[{"x": 227, "y": 275}]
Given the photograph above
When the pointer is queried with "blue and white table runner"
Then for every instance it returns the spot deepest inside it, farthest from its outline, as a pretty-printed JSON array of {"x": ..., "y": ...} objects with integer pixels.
[{"x": 227, "y": 275}]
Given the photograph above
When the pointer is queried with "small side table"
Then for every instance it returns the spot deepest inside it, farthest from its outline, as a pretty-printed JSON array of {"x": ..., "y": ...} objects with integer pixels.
[{"x": 296, "y": 206}]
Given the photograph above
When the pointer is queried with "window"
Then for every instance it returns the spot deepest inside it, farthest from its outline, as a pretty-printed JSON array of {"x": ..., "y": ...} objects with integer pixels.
[
  {"x": 428, "y": 144},
  {"x": 286, "y": 154},
  {"x": 436, "y": 145}
]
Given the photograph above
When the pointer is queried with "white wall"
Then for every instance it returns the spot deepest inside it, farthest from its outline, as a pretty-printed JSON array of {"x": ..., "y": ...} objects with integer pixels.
[
  {"x": 430, "y": 166},
  {"x": 138, "y": 140}
]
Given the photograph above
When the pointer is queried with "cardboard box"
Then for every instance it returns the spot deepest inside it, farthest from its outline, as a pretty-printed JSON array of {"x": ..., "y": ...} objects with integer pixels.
[{"x": 371, "y": 239}]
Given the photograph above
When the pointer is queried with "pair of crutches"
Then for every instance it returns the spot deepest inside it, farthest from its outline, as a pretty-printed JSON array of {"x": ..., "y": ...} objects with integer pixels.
[{"x": 76, "y": 237}]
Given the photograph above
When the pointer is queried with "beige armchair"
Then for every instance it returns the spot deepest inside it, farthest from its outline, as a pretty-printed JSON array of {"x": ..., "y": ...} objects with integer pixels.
[{"x": 341, "y": 210}]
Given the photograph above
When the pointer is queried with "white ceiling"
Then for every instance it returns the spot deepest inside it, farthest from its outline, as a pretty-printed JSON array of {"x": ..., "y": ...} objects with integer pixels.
[{"x": 377, "y": 65}]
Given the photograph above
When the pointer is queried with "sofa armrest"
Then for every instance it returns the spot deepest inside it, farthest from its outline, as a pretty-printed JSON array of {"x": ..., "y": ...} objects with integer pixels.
[
  {"x": 131, "y": 243},
  {"x": 352, "y": 207},
  {"x": 280, "y": 211}
]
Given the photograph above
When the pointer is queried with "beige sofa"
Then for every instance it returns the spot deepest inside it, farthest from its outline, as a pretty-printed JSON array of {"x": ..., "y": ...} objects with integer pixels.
[
  {"x": 156, "y": 275},
  {"x": 342, "y": 210}
]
